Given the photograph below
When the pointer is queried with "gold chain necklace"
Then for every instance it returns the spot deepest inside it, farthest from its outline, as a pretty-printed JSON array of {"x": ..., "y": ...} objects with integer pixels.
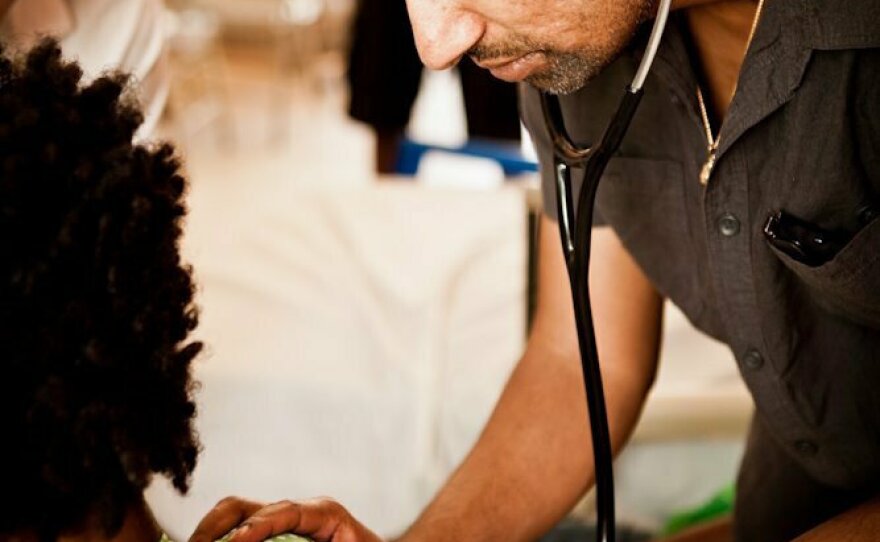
[{"x": 713, "y": 141}]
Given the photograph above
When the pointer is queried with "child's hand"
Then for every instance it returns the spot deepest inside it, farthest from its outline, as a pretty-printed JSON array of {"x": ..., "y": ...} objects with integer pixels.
[{"x": 321, "y": 520}]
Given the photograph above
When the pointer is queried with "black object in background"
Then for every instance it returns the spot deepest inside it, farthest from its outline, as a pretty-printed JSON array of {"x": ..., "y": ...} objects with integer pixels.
[{"x": 384, "y": 73}]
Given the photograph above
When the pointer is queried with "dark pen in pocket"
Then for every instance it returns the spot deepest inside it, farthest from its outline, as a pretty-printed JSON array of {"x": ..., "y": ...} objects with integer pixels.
[{"x": 803, "y": 241}]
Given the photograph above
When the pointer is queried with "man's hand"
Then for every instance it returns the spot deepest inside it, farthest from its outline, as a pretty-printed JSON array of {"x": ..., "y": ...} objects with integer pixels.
[{"x": 322, "y": 520}]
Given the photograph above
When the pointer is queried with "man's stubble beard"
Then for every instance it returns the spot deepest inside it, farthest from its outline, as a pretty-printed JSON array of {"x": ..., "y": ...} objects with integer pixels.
[{"x": 568, "y": 72}]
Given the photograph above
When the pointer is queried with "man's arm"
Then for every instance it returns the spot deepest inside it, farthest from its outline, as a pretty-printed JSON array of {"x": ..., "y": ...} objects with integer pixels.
[
  {"x": 861, "y": 524},
  {"x": 533, "y": 461}
]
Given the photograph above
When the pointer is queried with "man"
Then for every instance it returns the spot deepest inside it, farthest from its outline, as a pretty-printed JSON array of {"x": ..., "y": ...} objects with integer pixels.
[{"x": 791, "y": 87}]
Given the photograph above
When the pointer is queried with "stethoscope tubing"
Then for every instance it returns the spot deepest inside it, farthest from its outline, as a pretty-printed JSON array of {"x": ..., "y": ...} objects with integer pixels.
[{"x": 575, "y": 230}]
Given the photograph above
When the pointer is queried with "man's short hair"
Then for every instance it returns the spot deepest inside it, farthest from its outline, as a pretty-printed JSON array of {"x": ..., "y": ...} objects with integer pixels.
[{"x": 95, "y": 304}]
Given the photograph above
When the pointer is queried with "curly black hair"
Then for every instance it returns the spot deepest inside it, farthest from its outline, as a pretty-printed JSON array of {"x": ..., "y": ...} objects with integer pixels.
[{"x": 95, "y": 303}]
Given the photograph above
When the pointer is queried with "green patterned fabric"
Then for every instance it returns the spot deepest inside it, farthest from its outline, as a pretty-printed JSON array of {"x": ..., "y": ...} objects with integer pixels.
[{"x": 279, "y": 538}]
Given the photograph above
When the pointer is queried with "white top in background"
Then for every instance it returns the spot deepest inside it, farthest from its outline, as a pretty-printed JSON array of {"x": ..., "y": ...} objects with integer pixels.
[{"x": 101, "y": 35}]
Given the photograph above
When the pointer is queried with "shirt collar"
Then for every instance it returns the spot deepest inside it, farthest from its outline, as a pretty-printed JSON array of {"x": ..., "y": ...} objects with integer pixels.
[
  {"x": 787, "y": 34},
  {"x": 840, "y": 24}
]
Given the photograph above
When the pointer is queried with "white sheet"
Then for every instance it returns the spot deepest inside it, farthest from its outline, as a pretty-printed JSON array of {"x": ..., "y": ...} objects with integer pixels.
[{"x": 358, "y": 340}]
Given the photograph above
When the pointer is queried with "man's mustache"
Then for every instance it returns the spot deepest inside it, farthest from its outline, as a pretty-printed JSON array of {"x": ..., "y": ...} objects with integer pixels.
[{"x": 488, "y": 53}]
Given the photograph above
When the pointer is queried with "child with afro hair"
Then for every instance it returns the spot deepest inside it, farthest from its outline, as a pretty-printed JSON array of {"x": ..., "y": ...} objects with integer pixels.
[{"x": 95, "y": 308}]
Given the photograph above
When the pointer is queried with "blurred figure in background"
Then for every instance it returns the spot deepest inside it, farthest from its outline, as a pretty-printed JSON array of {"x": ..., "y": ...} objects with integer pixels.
[
  {"x": 99, "y": 35},
  {"x": 384, "y": 76}
]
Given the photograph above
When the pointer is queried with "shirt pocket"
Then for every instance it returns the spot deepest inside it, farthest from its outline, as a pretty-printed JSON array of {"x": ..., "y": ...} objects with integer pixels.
[
  {"x": 848, "y": 285},
  {"x": 644, "y": 201}
]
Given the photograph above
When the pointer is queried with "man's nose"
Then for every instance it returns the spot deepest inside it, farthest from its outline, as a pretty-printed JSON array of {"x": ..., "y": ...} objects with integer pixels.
[{"x": 443, "y": 31}]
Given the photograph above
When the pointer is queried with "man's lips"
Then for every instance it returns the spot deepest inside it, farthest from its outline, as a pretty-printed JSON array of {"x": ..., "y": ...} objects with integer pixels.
[{"x": 515, "y": 69}]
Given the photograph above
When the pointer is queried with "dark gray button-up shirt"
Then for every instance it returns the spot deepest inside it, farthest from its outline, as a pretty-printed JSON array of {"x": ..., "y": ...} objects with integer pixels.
[{"x": 802, "y": 135}]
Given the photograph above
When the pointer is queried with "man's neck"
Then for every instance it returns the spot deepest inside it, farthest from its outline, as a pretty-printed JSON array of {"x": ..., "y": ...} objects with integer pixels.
[{"x": 719, "y": 33}]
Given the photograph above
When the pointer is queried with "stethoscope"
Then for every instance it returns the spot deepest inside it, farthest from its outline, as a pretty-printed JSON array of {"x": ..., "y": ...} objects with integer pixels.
[{"x": 575, "y": 231}]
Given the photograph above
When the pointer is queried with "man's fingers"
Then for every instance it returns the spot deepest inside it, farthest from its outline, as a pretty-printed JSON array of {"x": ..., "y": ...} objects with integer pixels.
[
  {"x": 317, "y": 519},
  {"x": 225, "y": 515}
]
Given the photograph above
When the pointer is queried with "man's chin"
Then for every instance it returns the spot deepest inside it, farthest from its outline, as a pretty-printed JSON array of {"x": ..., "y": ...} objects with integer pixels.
[
  {"x": 557, "y": 85},
  {"x": 566, "y": 75}
]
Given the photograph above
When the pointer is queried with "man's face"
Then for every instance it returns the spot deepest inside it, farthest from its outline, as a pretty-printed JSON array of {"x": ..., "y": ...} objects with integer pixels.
[{"x": 556, "y": 45}]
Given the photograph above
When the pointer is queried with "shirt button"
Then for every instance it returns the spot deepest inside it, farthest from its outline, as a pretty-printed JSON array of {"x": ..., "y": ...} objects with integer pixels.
[
  {"x": 728, "y": 225},
  {"x": 806, "y": 447},
  {"x": 753, "y": 360}
]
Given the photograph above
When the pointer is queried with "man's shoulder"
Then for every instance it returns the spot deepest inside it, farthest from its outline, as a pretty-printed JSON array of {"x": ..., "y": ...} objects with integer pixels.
[{"x": 840, "y": 24}]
